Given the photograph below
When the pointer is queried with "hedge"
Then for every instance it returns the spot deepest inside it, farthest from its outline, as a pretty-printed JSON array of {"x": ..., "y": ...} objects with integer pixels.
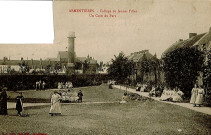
[{"x": 25, "y": 82}]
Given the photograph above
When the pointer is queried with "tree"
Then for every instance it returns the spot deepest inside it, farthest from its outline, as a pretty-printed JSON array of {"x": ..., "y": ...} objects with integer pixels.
[
  {"x": 78, "y": 65},
  {"x": 120, "y": 69},
  {"x": 182, "y": 67},
  {"x": 145, "y": 66},
  {"x": 155, "y": 67},
  {"x": 149, "y": 65},
  {"x": 207, "y": 76},
  {"x": 48, "y": 68}
]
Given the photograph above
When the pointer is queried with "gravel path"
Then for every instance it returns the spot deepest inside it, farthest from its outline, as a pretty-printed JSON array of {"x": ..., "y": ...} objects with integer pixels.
[
  {"x": 205, "y": 110},
  {"x": 12, "y": 105}
]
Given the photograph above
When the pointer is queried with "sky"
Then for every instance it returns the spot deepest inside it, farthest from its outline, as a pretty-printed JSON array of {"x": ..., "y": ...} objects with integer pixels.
[{"x": 155, "y": 26}]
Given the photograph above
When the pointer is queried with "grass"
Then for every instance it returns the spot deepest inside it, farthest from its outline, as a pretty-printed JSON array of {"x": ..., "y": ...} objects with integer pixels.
[
  {"x": 135, "y": 117},
  {"x": 91, "y": 94}
]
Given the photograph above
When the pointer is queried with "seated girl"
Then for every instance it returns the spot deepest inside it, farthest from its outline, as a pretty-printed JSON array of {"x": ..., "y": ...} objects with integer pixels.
[{"x": 124, "y": 99}]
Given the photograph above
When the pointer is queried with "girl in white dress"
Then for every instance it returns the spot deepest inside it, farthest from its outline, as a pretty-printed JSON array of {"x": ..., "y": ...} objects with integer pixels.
[
  {"x": 199, "y": 98},
  {"x": 59, "y": 85},
  {"x": 194, "y": 94},
  {"x": 55, "y": 104},
  {"x": 174, "y": 95},
  {"x": 177, "y": 97},
  {"x": 164, "y": 95}
]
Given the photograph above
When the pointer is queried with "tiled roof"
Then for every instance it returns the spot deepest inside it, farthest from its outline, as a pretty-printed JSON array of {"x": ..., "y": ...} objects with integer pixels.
[
  {"x": 137, "y": 56},
  {"x": 174, "y": 46},
  {"x": 205, "y": 39},
  {"x": 196, "y": 40},
  {"x": 81, "y": 59}
]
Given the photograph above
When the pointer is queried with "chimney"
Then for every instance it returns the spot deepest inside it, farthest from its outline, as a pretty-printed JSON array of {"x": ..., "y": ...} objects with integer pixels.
[{"x": 192, "y": 35}]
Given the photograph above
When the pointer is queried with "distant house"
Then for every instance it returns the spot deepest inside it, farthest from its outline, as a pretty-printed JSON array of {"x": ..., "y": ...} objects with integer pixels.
[
  {"x": 86, "y": 65},
  {"x": 200, "y": 41},
  {"x": 137, "y": 58},
  {"x": 66, "y": 62},
  {"x": 103, "y": 68},
  {"x": 79, "y": 63},
  {"x": 7, "y": 65},
  {"x": 62, "y": 56}
]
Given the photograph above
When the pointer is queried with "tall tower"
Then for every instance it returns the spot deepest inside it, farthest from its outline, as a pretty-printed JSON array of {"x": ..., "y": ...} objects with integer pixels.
[{"x": 71, "y": 48}]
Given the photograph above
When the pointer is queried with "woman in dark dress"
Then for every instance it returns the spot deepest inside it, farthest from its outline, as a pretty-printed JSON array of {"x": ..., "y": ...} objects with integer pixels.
[
  {"x": 80, "y": 95},
  {"x": 3, "y": 102},
  {"x": 19, "y": 103}
]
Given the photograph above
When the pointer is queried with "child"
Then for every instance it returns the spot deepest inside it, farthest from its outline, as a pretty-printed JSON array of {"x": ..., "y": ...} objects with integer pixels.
[
  {"x": 80, "y": 95},
  {"x": 124, "y": 99},
  {"x": 19, "y": 103}
]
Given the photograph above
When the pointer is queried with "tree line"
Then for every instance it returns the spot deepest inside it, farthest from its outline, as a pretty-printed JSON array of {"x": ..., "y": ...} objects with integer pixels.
[{"x": 181, "y": 67}]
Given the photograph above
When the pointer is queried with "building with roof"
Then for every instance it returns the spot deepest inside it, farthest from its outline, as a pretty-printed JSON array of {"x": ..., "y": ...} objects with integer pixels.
[
  {"x": 137, "y": 58},
  {"x": 201, "y": 42},
  {"x": 66, "y": 61}
]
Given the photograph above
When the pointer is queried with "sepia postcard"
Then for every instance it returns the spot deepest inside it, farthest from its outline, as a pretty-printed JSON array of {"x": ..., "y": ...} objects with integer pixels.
[{"x": 105, "y": 67}]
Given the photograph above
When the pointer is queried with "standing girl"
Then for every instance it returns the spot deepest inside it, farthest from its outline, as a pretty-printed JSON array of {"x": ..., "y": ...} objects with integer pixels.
[
  {"x": 194, "y": 94},
  {"x": 19, "y": 103},
  {"x": 55, "y": 104}
]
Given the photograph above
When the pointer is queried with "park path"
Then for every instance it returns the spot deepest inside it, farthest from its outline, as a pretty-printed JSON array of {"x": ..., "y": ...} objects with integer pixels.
[
  {"x": 12, "y": 105},
  {"x": 205, "y": 110}
]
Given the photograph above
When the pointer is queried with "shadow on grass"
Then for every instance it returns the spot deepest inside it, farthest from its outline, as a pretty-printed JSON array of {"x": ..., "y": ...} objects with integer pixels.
[
  {"x": 31, "y": 100},
  {"x": 62, "y": 115}
]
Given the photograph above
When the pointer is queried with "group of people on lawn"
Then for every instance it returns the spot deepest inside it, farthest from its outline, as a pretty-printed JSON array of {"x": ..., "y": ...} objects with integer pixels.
[
  {"x": 165, "y": 94},
  {"x": 3, "y": 102},
  {"x": 65, "y": 85},
  {"x": 40, "y": 85},
  {"x": 175, "y": 95},
  {"x": 70, "y": 95},
  {"x": 56, "y": 98},
  {"x": 141, "y": 87},
  {"x": 67, "y": 95},
  {"x": 197, "y": 95}
]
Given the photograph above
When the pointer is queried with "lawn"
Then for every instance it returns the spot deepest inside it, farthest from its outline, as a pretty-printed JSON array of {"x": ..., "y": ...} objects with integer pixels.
[
  {"x": 135, "y": 117},
  {"x": 91, "y": 94}
]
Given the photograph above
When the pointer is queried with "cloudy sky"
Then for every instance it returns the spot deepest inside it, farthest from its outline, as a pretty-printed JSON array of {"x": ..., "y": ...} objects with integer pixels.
[{"x": 155, "y": 26}]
